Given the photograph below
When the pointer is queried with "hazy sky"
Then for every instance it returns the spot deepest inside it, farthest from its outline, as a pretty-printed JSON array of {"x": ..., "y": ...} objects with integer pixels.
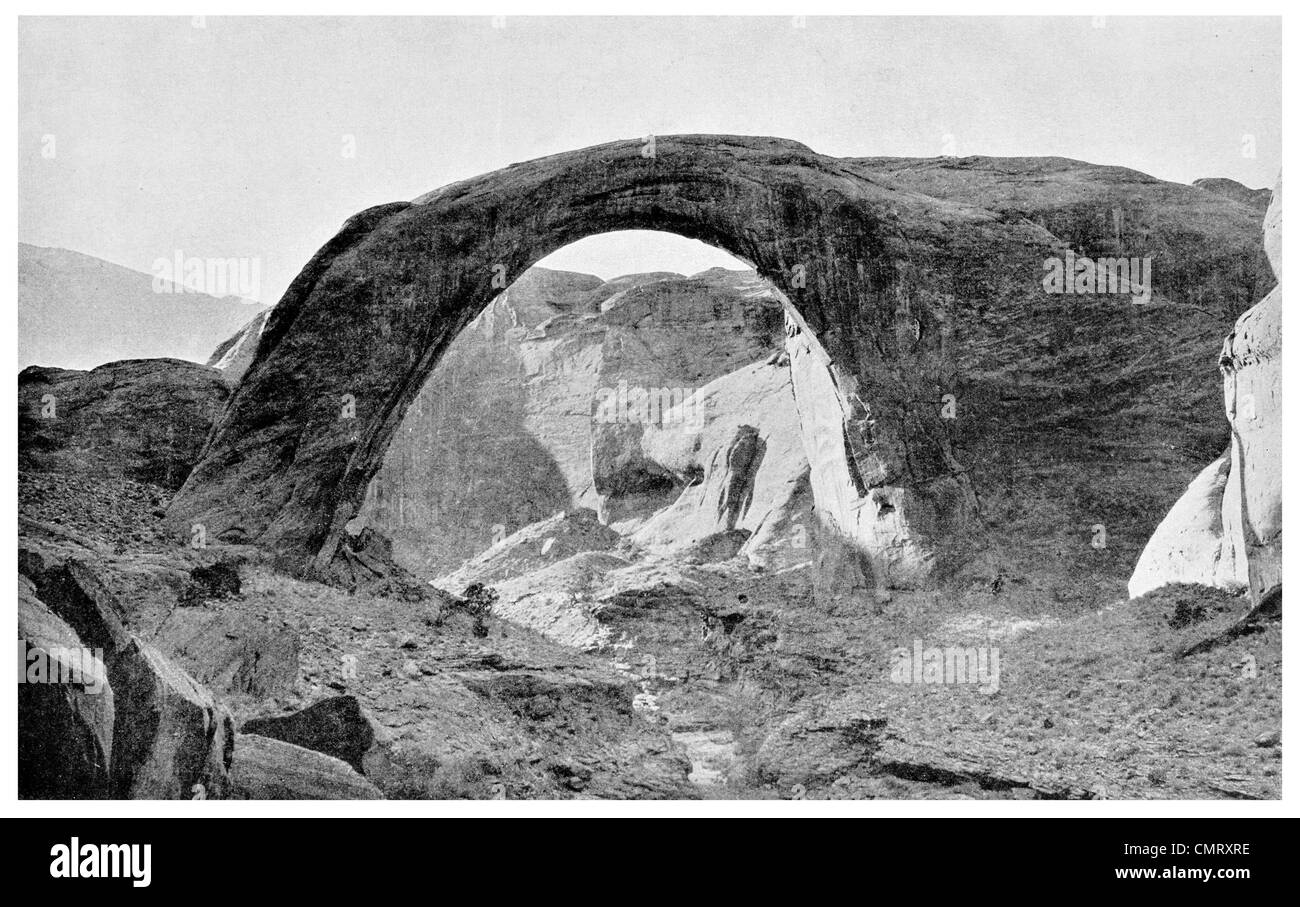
[{"x": 230, "y": 139}]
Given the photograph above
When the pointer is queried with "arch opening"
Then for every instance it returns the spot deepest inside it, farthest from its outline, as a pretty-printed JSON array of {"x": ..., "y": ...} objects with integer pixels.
[{"x": 602, "y": 384}]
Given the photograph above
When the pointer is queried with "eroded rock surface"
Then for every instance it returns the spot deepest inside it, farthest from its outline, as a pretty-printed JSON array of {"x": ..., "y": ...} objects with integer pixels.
[
  {"x": 141, "y": 419},
  {"x": 1226, "y": 530},
  {"x": 921, "y": 280},
  {"x": 369, "y": 318},
  {"x": 170, "y": 739},
  {"x": 270, "y": 769}
]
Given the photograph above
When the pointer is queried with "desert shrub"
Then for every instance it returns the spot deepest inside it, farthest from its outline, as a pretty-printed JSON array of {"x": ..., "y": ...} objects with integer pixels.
[{"x": 478, "y": 601}]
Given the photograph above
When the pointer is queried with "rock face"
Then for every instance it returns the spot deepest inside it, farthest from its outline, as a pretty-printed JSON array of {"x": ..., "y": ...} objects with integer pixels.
[
  {"x": 1252, "y": 391},
  {"x": 230, "y": 653},
  {"x": 337, "y": 727},
  {"x": 921, "y": 282},
  {"x": 235, "y": 354},
  {"x": 1187, "y": 546},
  {"x": 1226, "y": 530},
  {"x": 359, "y": 332},
  {"x": 141, "y": 419},
  {"x": 65, "y": 729},
  {"x": 741, "y": 464},
  {"x": 152, "y": 732},
  {"x": 523, "y": 387},
  {"x": 268, "y": 769}
]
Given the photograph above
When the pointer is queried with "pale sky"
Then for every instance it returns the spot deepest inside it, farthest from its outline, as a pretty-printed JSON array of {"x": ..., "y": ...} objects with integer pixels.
[{"x": 228, "y": 140}]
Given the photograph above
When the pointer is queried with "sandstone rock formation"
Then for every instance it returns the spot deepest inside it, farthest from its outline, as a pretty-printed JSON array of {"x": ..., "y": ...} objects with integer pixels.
[
  {"x": 358, "y": 333},
  {"x": 142, "y": 419},
  {"x": 521, "y": 389},
  {"x": 65, "y": 729},
  {"x": 154, "y": 734},
  {"x": 1226, "y": 530},
  {"x": 267, "y": 769},
  {"x": 337, "y": 727},
  {"x": 742, "y": 468},
  {"x": 921, "y": 281}
]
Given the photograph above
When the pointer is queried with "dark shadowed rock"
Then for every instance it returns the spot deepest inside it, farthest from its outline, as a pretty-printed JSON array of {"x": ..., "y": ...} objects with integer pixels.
[
  {"x": 268, "y": 769},
  {"x": 141, "y": 419},
  {"x": 338, "y": 727},
  {"x": 65, "y": 709},
  {"x": 210, "y": 582},
  {"x": 171, "y": 740}
]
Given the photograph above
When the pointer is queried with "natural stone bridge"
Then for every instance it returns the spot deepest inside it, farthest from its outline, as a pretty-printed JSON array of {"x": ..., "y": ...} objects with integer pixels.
[{"x": 870, "y": 272}]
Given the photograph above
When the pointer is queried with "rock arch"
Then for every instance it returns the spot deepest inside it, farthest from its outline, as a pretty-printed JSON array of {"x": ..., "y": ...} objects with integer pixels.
[{"x": 360, "y": 329}]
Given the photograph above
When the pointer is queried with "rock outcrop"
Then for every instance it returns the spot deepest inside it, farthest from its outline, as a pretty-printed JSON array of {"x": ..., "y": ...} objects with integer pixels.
[
  {"x": 337, "y": 727},
  {"x": 169, "y": 738},
  {"x": 65, "y": 709},
  {"x": 235, "y": 354},
  {"x": 921, "y": 281},
  {"x": 742, "y": 469},
  {"x": 141, "y": 419},
  {"x": 1226, "y": 530},
  {"x": 356, "y": 336},
  {"x": 268, "y": 769}
]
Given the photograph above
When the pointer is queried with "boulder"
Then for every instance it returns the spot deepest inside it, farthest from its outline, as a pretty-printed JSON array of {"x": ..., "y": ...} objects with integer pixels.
[
  {"x": 337, "y": 727},
  {"x": 171, "y": 740},
  {"x": 1188, "y": 545},
  {"x": 264, "y": 768},
  {"x": 65, "y": 709}
]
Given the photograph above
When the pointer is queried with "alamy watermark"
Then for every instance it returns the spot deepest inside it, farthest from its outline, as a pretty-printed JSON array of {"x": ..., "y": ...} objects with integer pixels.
[
  {"x": 1079, "y": 275},
  {"x": 209, "y": 276},
  {"x": 649, "y": 405},
  {"x": 978, "y": 666},
  {"x": 61, "y": 664}
]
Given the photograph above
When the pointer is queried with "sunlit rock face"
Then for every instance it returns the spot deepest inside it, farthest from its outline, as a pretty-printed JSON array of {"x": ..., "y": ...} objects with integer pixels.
[
  {"x": 541, "y": 405},
  {"x": 1252, "y": 391},
  {"x": 1226, "y": 530}
]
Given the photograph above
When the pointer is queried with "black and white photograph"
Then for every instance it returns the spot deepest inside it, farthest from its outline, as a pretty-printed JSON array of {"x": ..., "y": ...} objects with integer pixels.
[{"x": 760, "y": 412}]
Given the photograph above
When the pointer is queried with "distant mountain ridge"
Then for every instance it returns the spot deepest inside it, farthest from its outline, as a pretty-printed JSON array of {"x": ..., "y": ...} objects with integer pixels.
[{"x": 76, "y": 311}]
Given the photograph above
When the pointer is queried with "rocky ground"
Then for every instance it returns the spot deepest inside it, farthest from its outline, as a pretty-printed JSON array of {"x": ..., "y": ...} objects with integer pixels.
[{"x": 706, "y": 680}]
